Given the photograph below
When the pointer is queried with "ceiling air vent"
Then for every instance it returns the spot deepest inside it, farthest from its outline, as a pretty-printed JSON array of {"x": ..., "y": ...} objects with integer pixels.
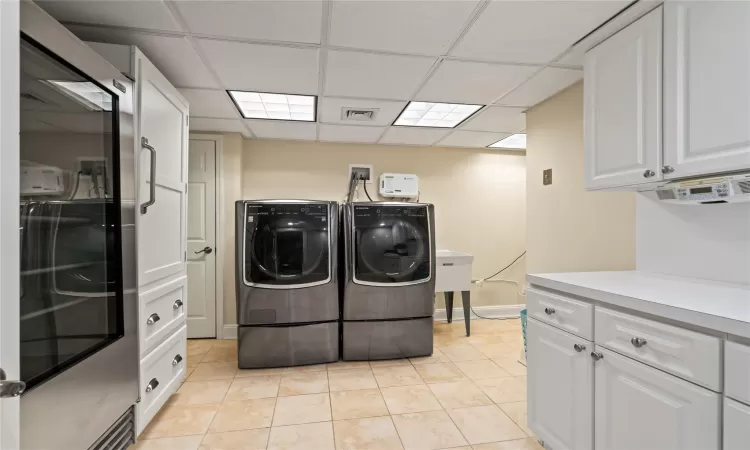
[{"x": 359, "y": 114}]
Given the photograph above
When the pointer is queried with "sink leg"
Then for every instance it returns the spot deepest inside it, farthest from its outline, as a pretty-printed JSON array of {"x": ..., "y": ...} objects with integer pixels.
[
  {"x": 466, "y": 300},
  {"x": 448, "y": 306}
]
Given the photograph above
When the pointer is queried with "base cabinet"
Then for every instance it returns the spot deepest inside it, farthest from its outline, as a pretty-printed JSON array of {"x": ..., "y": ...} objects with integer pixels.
[
  {"x": 736, "y": 425},
  {"x": 560, "y": 387},
  {"x": 639, "y": 407}
]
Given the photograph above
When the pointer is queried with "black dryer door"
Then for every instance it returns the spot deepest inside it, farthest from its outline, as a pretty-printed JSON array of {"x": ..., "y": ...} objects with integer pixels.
[
  {"x": 391, "y": 244},
  {"x": 287, "y": 244}
]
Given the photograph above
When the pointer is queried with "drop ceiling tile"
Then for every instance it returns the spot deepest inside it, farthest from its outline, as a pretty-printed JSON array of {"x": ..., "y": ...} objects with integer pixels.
[
  {"x": 414, "y": 136},
  {"x": 280, "y": 129},
  {"x": 289, "y": 21},
  {"x": 371, "y": 75},
  {"x": 497, "y": 118},
  {"x": 532, "y": 31},
  {"x": 263, "y": 68},
  {"x": 472, "y": 82},
  {"x": 330, "y": 110},
  {"x": 461, "y": 138},
  {"x": 175, "y": 57},
  {"x": 348, "y": 133},
  {"x": 424, "y": 27},
  {"x": 545, "y": 84},
  {"x": 198, "y": 124},
  {"x": 205, "y": 103},
  {"x": 152, "y": 15}
]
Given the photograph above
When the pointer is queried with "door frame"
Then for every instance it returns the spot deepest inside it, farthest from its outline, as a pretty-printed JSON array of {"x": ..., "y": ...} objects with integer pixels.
[{"x": 219, "y": 197}]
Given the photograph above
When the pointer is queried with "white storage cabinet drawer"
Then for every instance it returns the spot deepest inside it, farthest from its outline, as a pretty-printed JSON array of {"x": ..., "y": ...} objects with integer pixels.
[
  {"x": 687, "y": 354},
  {"x": 162, "y": 373},
  {"x": 453, "y": 271},
  {"x": 736, "y": 425},
  {"x": 568, "y": 314},
  {"x": 737, "y": 372},
  {"x": 162, "y": 311}
]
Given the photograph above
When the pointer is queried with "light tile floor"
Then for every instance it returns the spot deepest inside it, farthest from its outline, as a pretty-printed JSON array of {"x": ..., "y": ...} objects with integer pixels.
[{"x": 470, "y": 394}]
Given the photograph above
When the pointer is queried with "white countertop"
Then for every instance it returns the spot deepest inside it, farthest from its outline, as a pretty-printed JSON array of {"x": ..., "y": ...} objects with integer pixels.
[{"x": 717, "y": 306}]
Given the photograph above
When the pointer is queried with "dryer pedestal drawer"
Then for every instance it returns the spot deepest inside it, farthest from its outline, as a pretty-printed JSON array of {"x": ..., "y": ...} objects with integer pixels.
[
  {"x": 162, "y": 373},
  {"x": 391, "y": 339},
  {"x": 687, "y": 354},
  {"x": 286, "y": 346}
]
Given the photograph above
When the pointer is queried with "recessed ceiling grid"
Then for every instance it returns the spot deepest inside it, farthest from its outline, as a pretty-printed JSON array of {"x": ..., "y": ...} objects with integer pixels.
[{"x": 464, "y": 20}]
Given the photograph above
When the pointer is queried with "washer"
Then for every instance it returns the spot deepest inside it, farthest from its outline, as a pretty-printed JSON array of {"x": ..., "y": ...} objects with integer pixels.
[
  {"x": 388, "y": 281},
  {"x": 287, "y": 282}
]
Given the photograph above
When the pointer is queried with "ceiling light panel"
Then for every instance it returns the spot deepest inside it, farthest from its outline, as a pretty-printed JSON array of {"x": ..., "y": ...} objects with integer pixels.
[
  {"x": 264, "y": 105},
  {"x": 514, "y": 141},
  {"x": 437, "y": 115}
]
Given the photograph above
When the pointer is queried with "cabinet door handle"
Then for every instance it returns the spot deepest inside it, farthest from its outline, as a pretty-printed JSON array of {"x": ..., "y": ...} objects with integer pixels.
[
  {"x": 153, "y": 384},
  {"x": 638, "y": 342},
  {"x": 549, "y": 311},
  {"x": 596, "y": 356},
  {"x": 579, "y": 348},
  {"x": 177, "y": 359},
  {"x": 667, "y": 169},
  {"x": 177, "y": 303},
  {"x": 152, "y": 319},
  {"x": 649, "y": 173},
  {"x": 152, "y": 176}
]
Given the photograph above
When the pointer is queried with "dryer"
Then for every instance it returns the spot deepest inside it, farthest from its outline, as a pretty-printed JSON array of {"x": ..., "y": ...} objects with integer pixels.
[
  {"x": 389, "y": 280},
  {"x": 287, "y": 282}
]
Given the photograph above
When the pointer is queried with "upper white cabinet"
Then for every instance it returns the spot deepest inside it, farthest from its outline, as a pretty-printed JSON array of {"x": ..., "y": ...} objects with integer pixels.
[
  {"x": 706, "y": 87},
  {"x": 622, "y": 98},
  {"x": 635, "y": 133}
]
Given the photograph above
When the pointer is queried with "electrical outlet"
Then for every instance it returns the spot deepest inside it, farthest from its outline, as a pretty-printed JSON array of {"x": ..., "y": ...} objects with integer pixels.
[
  {"x": 362, "y": 171},
  {"x": 547, "y": 177}
]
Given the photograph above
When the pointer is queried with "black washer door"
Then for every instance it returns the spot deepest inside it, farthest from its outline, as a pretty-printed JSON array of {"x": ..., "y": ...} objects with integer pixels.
[
  {"x": 392, "y": 244},
  {"x": 286, "y": 244}
]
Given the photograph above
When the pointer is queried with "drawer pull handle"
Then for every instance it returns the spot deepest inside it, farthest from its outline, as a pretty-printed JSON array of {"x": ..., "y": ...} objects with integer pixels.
[
  {"x": 153, "y": 384},
  {"x": 638, "y": 342},
  {"x": 177, "y": 304},
  {"x": 596, "y": 356},
  {"x": 153, "y": 318},
  {"x": 579, "y": 348},
  {"x": 549, "y": 311},
  {"x": 447, "y": 264},
  {"x": 177, "y": 359}
]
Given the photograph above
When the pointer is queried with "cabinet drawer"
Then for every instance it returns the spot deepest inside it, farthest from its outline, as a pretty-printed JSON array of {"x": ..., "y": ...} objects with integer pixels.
[
  {"x": 737, "y": 371},
  {"x": 161, "y": 374},
  {"x": 573, "y": 316},
  {"x": 162, "y": 311},
  {"x": 693, "y": 356},
  {"x": 736, "y": 425}
]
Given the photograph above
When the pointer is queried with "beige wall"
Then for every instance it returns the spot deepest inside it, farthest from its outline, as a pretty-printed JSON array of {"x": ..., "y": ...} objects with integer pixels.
[{"x": 570, "y": 229}]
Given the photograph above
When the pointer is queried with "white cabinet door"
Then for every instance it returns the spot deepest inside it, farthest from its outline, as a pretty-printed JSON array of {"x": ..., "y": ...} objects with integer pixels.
[
  {"x": 736, "y": 425},
  {"x": 162, "y": 228},
  {"x": 706, "y": 88},
  {"x": 641, "y": 408},
  {"x": 622, "y": 106},
  {"x": 560, "y": 387}
]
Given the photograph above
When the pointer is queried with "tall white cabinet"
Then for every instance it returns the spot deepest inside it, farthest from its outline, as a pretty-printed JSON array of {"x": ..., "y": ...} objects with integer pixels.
[
  {"x": 668, "y": 96},
  {"x": 161, "y": 139}
]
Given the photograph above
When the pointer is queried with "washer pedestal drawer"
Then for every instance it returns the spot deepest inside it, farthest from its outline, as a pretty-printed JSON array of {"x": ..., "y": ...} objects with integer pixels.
[
  {"x": 390, "y": 339},
  {"x": 285, "y": 346}
]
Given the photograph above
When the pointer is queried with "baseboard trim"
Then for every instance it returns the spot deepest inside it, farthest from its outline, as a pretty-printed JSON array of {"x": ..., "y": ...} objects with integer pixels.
[
  {"x": 229, "y": 332},
  {"x": 492, "y": 312}
]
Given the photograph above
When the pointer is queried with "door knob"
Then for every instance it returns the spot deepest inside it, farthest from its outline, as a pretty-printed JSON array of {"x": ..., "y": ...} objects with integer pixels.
[
  {"x": 579, "y": 348},
  {"x": 596, "y": 356},
  {"x": 638, "y": 342},
  {"x": 9, "y": 388},
  {"x": 649, "y": 174},
  {"x": 206, "y": 250},
  {"x": 667, "y": 169},
  {"x": 549, "y": 311}
]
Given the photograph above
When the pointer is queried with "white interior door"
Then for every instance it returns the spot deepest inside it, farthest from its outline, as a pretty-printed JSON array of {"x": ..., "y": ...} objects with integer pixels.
[
  {"x": 9, "y": 219},
  {"x": 201, "y": 263}
]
